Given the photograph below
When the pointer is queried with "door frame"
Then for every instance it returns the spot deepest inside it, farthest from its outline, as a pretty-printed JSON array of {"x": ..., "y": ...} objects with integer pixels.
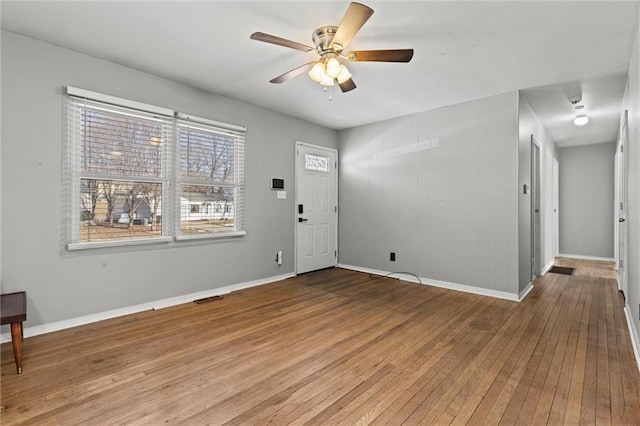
[
  {"x": 556, "y": 206},
  {"x": 536, "y": 220},
  {"x": 297, "y": 199},
  {"x": 621, "y": 232}
]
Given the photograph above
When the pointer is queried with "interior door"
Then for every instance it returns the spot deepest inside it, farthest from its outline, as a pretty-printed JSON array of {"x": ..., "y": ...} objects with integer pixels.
[
  {"x": 316, "y": 207},
  {"x": 622, "y": 207},
  {"x": 556, "y": 207},
  {"x": 535, "y": 209}
]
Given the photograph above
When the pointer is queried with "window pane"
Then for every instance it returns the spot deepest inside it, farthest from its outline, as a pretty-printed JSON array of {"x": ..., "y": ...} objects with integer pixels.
[
  {"x": 118, "y": 210},
  {"x": 316, "y": 162},
  {"x": 206, "y": 209},
  {"x": 120, "y": 144},
  {"x": 206, "y": 155}
]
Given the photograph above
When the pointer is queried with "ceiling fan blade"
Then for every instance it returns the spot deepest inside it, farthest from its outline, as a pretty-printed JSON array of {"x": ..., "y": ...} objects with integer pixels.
[
  {"x": 290, "y": 74},
  {"x": 347, "y": 86},
  {"x": 354, "y": 18},
  {"x": 268, "y": 38},
  {"x": 391, "y": 55}
]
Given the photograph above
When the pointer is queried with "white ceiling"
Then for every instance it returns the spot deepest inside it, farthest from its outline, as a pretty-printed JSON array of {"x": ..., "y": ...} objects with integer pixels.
[
  {"x": 463, "y": 51},
  {"x": 601, "y": 99}
]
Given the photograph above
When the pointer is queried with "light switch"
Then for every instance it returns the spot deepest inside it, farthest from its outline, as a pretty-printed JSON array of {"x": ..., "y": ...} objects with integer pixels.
[{"x": 281, "y": 195}]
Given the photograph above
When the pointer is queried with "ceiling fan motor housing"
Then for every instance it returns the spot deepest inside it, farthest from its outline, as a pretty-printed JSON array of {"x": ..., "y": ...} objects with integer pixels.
[{"x": 323, "y": 39}]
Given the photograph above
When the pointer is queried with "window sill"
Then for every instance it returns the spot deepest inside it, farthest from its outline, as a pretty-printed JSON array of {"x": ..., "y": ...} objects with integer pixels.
[
  {"x": 105, "y": 244},
  {"x": 218, "y": 235}
]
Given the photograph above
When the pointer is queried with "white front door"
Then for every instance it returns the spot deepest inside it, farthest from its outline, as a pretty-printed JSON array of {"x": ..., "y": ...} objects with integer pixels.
[{"x": 316, "y": 207}]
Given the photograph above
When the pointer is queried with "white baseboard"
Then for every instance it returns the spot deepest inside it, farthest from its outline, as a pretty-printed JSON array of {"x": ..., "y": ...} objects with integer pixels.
[
  {"x": 548, "y": 266},
  {"x": 436, "y": 283},
  {"x": 635, "y": 338},
  {"x": 525, "y": 291},
  {"x": 579, "y": 256},
  {"x": 155, "y": 305}
]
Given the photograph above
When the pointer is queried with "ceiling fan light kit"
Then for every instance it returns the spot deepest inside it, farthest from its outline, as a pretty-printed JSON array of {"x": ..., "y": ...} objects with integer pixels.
[
  {"x": 330, "y": 42},
  {"x": 328, "y": 72}
]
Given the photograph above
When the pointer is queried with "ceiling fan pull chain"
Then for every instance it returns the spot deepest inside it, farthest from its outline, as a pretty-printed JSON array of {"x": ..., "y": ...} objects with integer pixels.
[{"x": 326, "y": 90}]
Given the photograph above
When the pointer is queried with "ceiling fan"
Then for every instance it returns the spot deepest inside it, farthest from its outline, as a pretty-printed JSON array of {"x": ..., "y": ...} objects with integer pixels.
[{"x": 330, "y": 42}]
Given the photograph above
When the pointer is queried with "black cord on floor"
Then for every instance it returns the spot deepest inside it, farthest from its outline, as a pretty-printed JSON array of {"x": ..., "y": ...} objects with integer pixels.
[{"x": 397, "y": 272}]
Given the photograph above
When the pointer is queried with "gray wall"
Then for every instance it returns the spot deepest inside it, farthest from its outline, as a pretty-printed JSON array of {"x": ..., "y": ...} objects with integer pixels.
[
  {"x": 62, "y": 285},
  {"x": 439, "y": 188},
  {"x": 530, "y": 125},
  {"x": 586, "y": 200}
]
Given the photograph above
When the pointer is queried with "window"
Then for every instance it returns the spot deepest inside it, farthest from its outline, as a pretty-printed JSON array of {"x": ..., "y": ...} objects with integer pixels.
[
  {"x": 211, "y": 173},
  {"x": 316, "y": 162},
  {"x": 124, "y": 185}
]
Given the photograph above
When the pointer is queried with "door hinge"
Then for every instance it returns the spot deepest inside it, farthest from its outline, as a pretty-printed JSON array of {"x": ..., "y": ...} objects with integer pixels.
[
  {"x": 335, "y": 209},
  {"x": 621, "y": 148},
  {"x": 621, "y": 206},
  {"x": 621, "y": 263},
  {"x": 335, "y": 253}
]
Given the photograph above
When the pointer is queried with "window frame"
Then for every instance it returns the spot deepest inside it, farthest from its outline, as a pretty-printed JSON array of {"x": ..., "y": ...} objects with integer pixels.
[
  {"x": 189, "y": 121},
  {"x": 73, "y": 173}
]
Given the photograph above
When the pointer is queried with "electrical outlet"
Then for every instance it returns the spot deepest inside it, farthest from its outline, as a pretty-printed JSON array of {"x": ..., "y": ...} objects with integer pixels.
[{"x": 392, "y": 256}]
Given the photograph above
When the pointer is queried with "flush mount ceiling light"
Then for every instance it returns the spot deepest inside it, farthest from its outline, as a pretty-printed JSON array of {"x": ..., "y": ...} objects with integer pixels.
[
  {"x": 581, "y": 120},
  {"x": 330, "y": 41}
]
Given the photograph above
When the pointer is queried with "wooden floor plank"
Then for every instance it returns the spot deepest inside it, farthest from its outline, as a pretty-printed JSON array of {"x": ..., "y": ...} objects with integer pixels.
[
  {"x": 561, "y": 398},
  {"x": 504, "y": 384},
  {"x": 556, "y": 342},
  {"x": 603, "y": 402},
  {"x": 343, "y": 347},
  {"x": 615, "y": 375},
  {"x": 530, "y": 389},
  {"x": 588, "y": 402},
  {"x": 574, "y": 401},
  {"x": 514, "y": 333}
]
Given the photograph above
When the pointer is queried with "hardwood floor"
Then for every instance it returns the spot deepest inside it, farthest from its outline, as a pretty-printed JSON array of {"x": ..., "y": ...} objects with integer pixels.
[{"x": 342, "y": 347}]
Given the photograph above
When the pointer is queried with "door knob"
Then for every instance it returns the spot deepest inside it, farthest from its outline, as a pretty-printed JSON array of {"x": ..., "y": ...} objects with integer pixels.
[
  {"x": 622, "y": 219},
  {"x": 301, "y": 219}
]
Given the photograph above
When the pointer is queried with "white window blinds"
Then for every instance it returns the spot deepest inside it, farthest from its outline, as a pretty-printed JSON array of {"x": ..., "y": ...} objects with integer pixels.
[
  {"x": 135, "y": 174},
  {"x": 210, "y": 178}
]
